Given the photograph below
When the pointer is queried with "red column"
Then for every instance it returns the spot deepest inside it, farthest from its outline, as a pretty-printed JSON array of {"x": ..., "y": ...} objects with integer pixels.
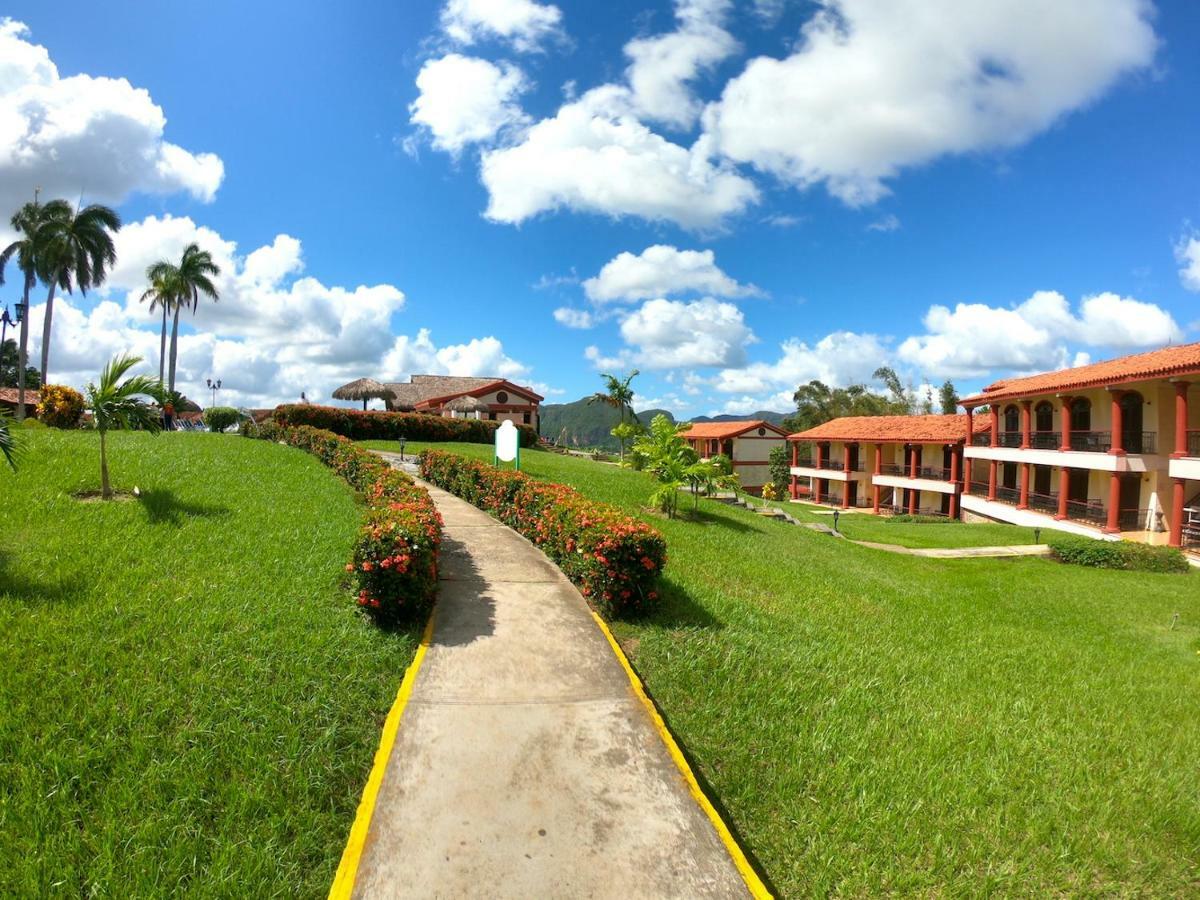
[
  {"x": 1064, "y": 484},
  {"x": 914, "y": 467},
  {"x": 1181, "y": 421},
  {"x": 846, "y": 469},
  {"x": 992, "y": 480},
  {"x": 995, "y": 413},
  {"x": 1118, "y": 449},
  {"x": 878, "y": 470},
  {"x": 795, "y": 462},
  {"x": 1066, "y": 424},
  {"x": 970, "y": 426},
  {"x": 1177, "y": 488},
  {"x": 954, "y": 478},
  {"x": 1113, "y": 525},
  {"x": 1023, "y": 503},
  {"x": 1026, "y": 424}
]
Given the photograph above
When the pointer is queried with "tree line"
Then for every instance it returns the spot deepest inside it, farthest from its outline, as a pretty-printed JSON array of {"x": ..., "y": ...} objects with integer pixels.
[{"x": 817, "y": 403}]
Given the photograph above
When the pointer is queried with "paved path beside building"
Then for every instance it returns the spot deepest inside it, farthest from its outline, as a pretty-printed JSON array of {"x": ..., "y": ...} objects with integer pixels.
[{"x": 525, "y": 764}]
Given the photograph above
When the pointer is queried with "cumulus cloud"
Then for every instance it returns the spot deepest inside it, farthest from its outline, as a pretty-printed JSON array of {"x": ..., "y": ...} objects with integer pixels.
[
  {"x": 975, "y": 339},
  {"x": 669, "y": 334},
  {"x": 465, "y": 100},
  {"x": 662, "y": 68},
  {"x": 890, "y": 222},
  {"x": 524, "y": 24},
  {"x": 273, "y": 333},
  {"x": 663, "y": 271},
  {"x": 1187, "y": 253},
  {"x": 574, "y": 318},
  {"x": 101, "y": 136},
  {"x": 838, "y": 359},
  {"x": 596, "y": 156},
  {"x": 879, "y": 85}
]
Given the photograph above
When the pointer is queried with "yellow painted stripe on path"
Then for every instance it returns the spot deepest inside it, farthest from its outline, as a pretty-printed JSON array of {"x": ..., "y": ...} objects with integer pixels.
[
  {"x": 754, "y": 884},
  {"x": 343, "y": 882}
]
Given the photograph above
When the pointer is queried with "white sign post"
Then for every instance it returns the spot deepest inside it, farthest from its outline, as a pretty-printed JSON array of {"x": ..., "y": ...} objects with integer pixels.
[{"x": 508, "y": 444}]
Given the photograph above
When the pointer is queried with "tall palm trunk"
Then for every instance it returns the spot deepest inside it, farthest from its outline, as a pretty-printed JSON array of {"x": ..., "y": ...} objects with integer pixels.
[
  {"x": 46, "y": 324},
  {"x": 23, "y": 354},
  {"x": 174, "y": 351},
  {"x": 105, "y": 486},
  {"x": 162, "y": 348}
]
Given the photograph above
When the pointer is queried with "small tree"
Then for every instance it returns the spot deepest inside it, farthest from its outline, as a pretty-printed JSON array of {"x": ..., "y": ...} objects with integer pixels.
[
  {"x": 625, "y": 432},
  {"x": 60, "y": 406},
  {"x": 114, "y": 404},
  {"x": 667, "y": 457},
  {"x": 948, "y": 397},
  {"x": 218, "y": 418},
  {"x": 780, "y": 468}
]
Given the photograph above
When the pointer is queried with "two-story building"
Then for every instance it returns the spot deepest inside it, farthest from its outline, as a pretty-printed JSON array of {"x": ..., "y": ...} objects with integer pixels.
[
  {"x": 1111, "y": 448},
  {"x": 463, "y": 397},
  {"x": 909, "y": 464},
  {"x": 748, "y": 445}
]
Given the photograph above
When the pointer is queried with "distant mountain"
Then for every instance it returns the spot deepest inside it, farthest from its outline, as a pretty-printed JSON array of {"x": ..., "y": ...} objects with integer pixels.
[
  {"x": 581, "y": 424},
  {"x": 774, "y": 418}
]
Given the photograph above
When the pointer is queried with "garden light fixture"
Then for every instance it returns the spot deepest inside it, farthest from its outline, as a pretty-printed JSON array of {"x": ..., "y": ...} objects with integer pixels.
[{"x": 213, "y": 386}]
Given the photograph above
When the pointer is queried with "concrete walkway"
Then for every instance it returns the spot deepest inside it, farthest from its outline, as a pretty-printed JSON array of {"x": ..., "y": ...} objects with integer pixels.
[
  {"x": 525, "y": 765},
  {"x": 961, "y": 552}
]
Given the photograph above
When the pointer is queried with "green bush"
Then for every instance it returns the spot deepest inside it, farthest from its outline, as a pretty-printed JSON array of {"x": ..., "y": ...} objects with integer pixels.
[
  {"x": 389, "y": 426},
  {"x": 218, "y": 418},
  {"x": 1126, "y": 555},
  {"x": 60, "y": 406},
  {"x": 33, "y": 423},
  {"x": 780, "y": 468},
  {"x": 906, "y": 519}
]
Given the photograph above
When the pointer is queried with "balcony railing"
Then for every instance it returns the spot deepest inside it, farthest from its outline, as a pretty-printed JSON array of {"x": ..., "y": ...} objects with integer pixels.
[
  {"x": 981, "y": 440},
  {"x": 836, "y": 465},
  {"x": 1090, "y": 512},
  {"x": 1008, "y": 495},
  {"x": 1193, "y": 443},
  {"x": 1045, "y": 503},
  {"x": 1191, "y": 527},
  {"x": 1011, "y": 439},
  {"x": 1101, "y": 441},
  {"x": 1045, "y": 440}
]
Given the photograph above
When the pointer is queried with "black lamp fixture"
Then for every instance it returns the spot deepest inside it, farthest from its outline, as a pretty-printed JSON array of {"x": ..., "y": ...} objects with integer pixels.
[
  {"x": 403, "y": 440},
  {"x": 213, "y": 386},
  {"x": 5, "y": 321}
]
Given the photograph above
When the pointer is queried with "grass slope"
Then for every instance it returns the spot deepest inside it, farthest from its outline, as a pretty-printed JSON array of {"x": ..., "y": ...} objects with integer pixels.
[
  {"x": 874, "y": 723},
  {"x": 190, "y": 701},
  {"x": 865, "y": 527}
]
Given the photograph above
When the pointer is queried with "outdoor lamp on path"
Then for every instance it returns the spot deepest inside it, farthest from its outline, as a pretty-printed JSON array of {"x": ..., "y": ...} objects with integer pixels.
[
  {"x": 402, "y": 440},
  {"x": 213, "y": 386},
  {"x": 835, "y": 519}
]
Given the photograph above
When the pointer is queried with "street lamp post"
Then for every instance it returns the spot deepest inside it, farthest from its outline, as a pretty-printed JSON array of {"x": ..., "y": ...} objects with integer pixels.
[{"x": 213, "y": 386}]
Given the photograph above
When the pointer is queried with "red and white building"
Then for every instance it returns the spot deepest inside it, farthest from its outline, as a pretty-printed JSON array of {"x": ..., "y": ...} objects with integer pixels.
[
  {"x": 457, "y": 397},
  {"x": 1109, "y": 449},
  {"x": 910, "y": 464},
  {"x": 748, "y": 445}
]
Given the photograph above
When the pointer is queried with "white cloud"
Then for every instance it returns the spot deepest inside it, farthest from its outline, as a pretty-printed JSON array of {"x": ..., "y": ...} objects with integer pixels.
[
  {"x": 1187, "y": 252},
  {"x": 595, "y": 156},
  {"x": 887, "y": 223},
  {"x": 669, "y": 334},
  {"x": 974, "y": 339},
  {"x": 783, "y": 220},
  {"x": 524, "y": 24},
  {"x": 273, "y": 333},
  {"x": 879, "y": 85},
  {"x": 101, "y": 136},
  {"x": 574, "y": 318},
  {"x": 465, "y": 100},
  {"x": 838, "y": 359},
  {"x": 663, "y": 67},
  {"x": 663, "y": 271}
]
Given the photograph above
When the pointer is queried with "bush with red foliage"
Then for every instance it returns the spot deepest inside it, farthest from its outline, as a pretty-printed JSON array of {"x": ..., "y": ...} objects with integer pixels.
[
  {"x": 395, "y": 556},
  {"x": 373, "y": 425},
  {"x": 613, "y": 558}
]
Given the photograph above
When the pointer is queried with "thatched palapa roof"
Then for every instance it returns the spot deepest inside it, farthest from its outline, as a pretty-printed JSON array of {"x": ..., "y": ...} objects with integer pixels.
[
  {"x": 364, "y": 389},
  {"x": 466, "y": 403}
]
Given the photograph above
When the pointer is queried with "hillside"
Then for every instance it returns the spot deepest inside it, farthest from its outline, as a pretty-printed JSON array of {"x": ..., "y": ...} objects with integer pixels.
[{"x": 586, "y": 425}]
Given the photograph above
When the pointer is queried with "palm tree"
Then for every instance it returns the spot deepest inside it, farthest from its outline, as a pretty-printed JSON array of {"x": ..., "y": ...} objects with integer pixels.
[
  {"x": 617, "y": 393},
  {"x": 185, "y": 282},
  {"x": 160, "y": 294},
  {"x": 8, "y": 446},
  {"x": 75, "y": 246},
  {"x": 114, "y": 404},
  {"x": 27, "y": 222}
]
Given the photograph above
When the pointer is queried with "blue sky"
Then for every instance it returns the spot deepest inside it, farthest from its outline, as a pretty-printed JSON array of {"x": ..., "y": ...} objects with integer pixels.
[{"x": 959, "y": 189}]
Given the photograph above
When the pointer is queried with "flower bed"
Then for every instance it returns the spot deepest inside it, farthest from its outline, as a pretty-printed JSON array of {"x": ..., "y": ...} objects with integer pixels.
[
  {"x": 389, "y": 426},
  {"x": 395, "y": 556},
  {"x": 615, "y": 560}
]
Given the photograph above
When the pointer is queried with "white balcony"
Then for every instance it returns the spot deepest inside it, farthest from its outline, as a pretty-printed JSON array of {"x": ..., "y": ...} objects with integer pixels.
[
  {"x": 826, "y": 474},
  {"x": 1187, "y": 467},
  {"x": 916, "y": 484},
  {"x": 1072, "y": 459}
]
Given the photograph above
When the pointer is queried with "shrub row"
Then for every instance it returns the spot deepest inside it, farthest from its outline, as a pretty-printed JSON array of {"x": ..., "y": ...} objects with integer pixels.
[
  {"x": 1128, "y": 555},
  {"x": 614, "y": 559},
  {"x": 395, "y": 556},
  {"x": 390, "y": 426}
]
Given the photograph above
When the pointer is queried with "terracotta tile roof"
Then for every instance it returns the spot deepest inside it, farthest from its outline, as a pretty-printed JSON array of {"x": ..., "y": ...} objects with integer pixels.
[
  {"x": 721, "y": 430},
  {"x": 9, "y": 395},
  {"x": 892, "y": 429},
  {"x": 1180, "y": 360},
  {"x": 423, "y": 388}
]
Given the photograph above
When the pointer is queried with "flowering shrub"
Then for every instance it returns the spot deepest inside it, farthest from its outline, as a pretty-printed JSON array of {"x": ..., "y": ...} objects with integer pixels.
[
  {"x": 389, "y": 426},
  {"x": 395, "y": 557},
  {"x": 60, "y": 406},
  {"x": 614, "y": 559}
]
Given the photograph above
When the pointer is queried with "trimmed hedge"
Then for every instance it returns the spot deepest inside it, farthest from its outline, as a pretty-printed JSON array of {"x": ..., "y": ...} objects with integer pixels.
[
  {"x": 1127, "y": 555},
  {"x": 373, "y": 425},
  {"x": 614, "y": 559},
  {"x": 395, "y": 556},
  {"x": 218, "y": 418}
]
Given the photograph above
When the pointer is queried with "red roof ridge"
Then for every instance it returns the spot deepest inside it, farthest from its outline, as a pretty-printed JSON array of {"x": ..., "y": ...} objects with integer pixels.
[
  {"x": 933, "y": 428},
  {"x": 729, "y": 429}
]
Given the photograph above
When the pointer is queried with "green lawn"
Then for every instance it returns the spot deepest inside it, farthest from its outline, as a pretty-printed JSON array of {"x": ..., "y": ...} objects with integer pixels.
[
  {"x": 190, "y": 701},
  {"x": 874, "y": 723}
]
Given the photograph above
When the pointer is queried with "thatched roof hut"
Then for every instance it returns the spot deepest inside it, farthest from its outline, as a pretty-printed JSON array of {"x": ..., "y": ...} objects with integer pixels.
[
  {"x": 364, "y": 389},
  {"x": 466, "y": 404}
]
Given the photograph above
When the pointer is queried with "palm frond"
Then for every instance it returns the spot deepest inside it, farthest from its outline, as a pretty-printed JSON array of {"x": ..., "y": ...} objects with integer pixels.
[{"x": 8, "y": 444}]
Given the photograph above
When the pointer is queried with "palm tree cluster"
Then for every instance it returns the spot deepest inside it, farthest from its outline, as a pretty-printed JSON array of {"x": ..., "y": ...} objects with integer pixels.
[
  {"x": 69, "y": 247},
  {"x": 64, "y": 247}
]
